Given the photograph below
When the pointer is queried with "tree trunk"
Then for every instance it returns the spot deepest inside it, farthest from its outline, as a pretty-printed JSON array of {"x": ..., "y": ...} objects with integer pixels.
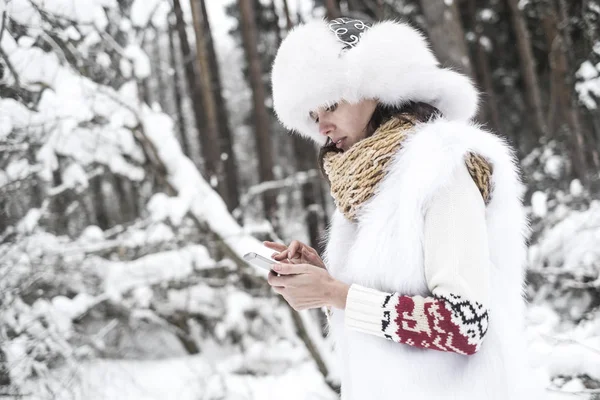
[
  {"x": 288, "y": 20},
  {"x": 447, "y": 34},
  {"x": 158, "y": 70},
  {"x": 527, "y": 60},
  {"x": 484, "y": 72},
  {"x": 364, "y": 7},
  {"x": 573, "y": 110},
  {"x": 560, "y": 107},
  {"x": 261, "y": 117},
  {"x": 210, "y": 134},
  {"x": 4, "y": 371},
  {"x": 178, "y": 95},
  {"x": 275, "y": 23},
  {"x": 316, "y": 217},
  {"x": 333, "y": 11},
  {"x": 591, "y": 31},
  {"x": 226, "y": 138},
  {"x": 143, "y": 90},
  {"x": 305, "y": 155},
  {"x": 195, "y": 92}
]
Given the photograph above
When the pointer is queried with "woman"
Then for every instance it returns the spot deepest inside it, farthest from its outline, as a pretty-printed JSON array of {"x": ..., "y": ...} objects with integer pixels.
[{"x": 424, "y": 266}]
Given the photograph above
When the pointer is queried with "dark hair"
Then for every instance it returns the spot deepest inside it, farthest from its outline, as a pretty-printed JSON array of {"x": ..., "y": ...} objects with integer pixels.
[{"x": 421, "y": 112}]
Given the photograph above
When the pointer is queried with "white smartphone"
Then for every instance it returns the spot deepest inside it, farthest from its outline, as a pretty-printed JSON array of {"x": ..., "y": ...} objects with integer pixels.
[{"x": 259, "y": 261}]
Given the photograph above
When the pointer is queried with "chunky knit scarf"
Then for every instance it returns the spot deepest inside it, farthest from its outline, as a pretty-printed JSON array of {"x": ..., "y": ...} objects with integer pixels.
[{"x": 355, "y": 173}]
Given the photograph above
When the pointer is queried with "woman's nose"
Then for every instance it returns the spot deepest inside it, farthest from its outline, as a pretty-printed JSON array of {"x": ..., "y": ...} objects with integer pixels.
[{"x": 325, "y": 128}]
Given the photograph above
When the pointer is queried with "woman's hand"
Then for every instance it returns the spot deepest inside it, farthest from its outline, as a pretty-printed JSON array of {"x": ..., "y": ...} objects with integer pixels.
[
  {"x": 306, "y": 286},
  {"x": 297, "y": 252}
]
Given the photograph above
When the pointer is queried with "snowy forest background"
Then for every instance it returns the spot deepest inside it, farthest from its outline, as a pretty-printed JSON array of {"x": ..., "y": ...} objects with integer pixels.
[{"x": 140, "y": 158}]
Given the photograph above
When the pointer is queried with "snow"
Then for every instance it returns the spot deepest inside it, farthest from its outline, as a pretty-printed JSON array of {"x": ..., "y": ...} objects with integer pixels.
[
  {"x": 156, "y": 233},
  {"x": 18, "y": 169},
  {"x": 103, "y": 59},
  {"x": 92, "y": 233},
  {"x": 142, "y": 296},
  {"x": 140, "y": 61},
  {"x": 35, "y": 66},
  {"x": 26, "y": 41},
  {"x": 256, "y": 352},
  {"x": 572, "y": 243},
  {"x": 185, "y": 378},
  {"x": 162, "y": 206},
  {"x": 237, "y": 304},
  {"x": 576, "y": 188},
  {"x": 153, "y": 268},
  {"x": 588, "y": 87},
  {"x": 16, "y": 353},
  {"x": 74, "y": 176},
  {"x": 145, "y": 11},
  {"x": 126, "y": 68},
  {"x": 487, "y": 14},
  {"x": 486, "y": 43},
  {"x": 539, "y": 204},
  {"x": 83, "y": 11},
  {"x": 30, "y": 221},
  {"x": 194, "y": 194},
  {"x": 574, "y": 385},
  {"x": 72, "y": 33},
  {"x": 23, "y": 12},
  {"x": 553, "y": 165},
  {"x": 221, "y": 24},
  {"x": 72, "y": 308},
  {"x": 586, "y": 71},
  {"x": 200, "y": 299}
]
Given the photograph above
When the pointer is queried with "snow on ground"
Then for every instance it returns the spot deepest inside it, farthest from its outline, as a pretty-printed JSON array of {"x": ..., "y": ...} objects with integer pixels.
[{"x": 184, "y": 378}]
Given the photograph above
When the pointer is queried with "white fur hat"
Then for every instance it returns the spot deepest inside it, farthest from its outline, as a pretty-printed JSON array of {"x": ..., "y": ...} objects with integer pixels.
[{"x": 320, "y": 63}]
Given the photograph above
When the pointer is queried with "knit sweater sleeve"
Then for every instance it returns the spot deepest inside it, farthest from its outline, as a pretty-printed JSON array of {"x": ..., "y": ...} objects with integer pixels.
[{"x": 454, "y": 316}]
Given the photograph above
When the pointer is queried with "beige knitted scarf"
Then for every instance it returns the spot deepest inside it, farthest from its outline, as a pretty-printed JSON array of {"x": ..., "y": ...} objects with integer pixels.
[{"x": 355, "y": 173}]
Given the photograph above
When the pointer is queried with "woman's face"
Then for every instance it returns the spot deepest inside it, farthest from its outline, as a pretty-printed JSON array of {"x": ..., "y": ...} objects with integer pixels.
[{"x": 344, "y": 123}]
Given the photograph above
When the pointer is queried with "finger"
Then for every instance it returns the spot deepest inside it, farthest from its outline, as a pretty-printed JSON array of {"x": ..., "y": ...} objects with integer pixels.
[
  {"x": 278, "y": 289},
  {"x": 279, "y": 256},
  {"x": 294, "y": 249},
  {"x": 275, "y": 246},
  {"x": 291, "y": 269},
  {"x": 275, "y": 280}
]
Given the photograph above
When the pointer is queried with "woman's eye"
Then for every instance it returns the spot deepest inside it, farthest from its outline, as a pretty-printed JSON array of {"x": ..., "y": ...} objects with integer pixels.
[{"x": 332, "y": 107}]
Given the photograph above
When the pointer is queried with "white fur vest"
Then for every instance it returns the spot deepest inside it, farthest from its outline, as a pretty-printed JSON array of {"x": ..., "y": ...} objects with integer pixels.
[{"x": 384, "y": 251}]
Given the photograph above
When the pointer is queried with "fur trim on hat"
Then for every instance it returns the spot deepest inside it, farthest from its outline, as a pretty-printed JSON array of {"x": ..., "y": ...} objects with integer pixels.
[{"x": 391, "y": 62}]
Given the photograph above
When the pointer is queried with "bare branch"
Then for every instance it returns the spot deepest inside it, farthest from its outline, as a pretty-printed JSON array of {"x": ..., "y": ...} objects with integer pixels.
[
  {"x": 10, "y": 67},
  {"x": 3, "y": 25},
  {"x": 295, "y": 180}
]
